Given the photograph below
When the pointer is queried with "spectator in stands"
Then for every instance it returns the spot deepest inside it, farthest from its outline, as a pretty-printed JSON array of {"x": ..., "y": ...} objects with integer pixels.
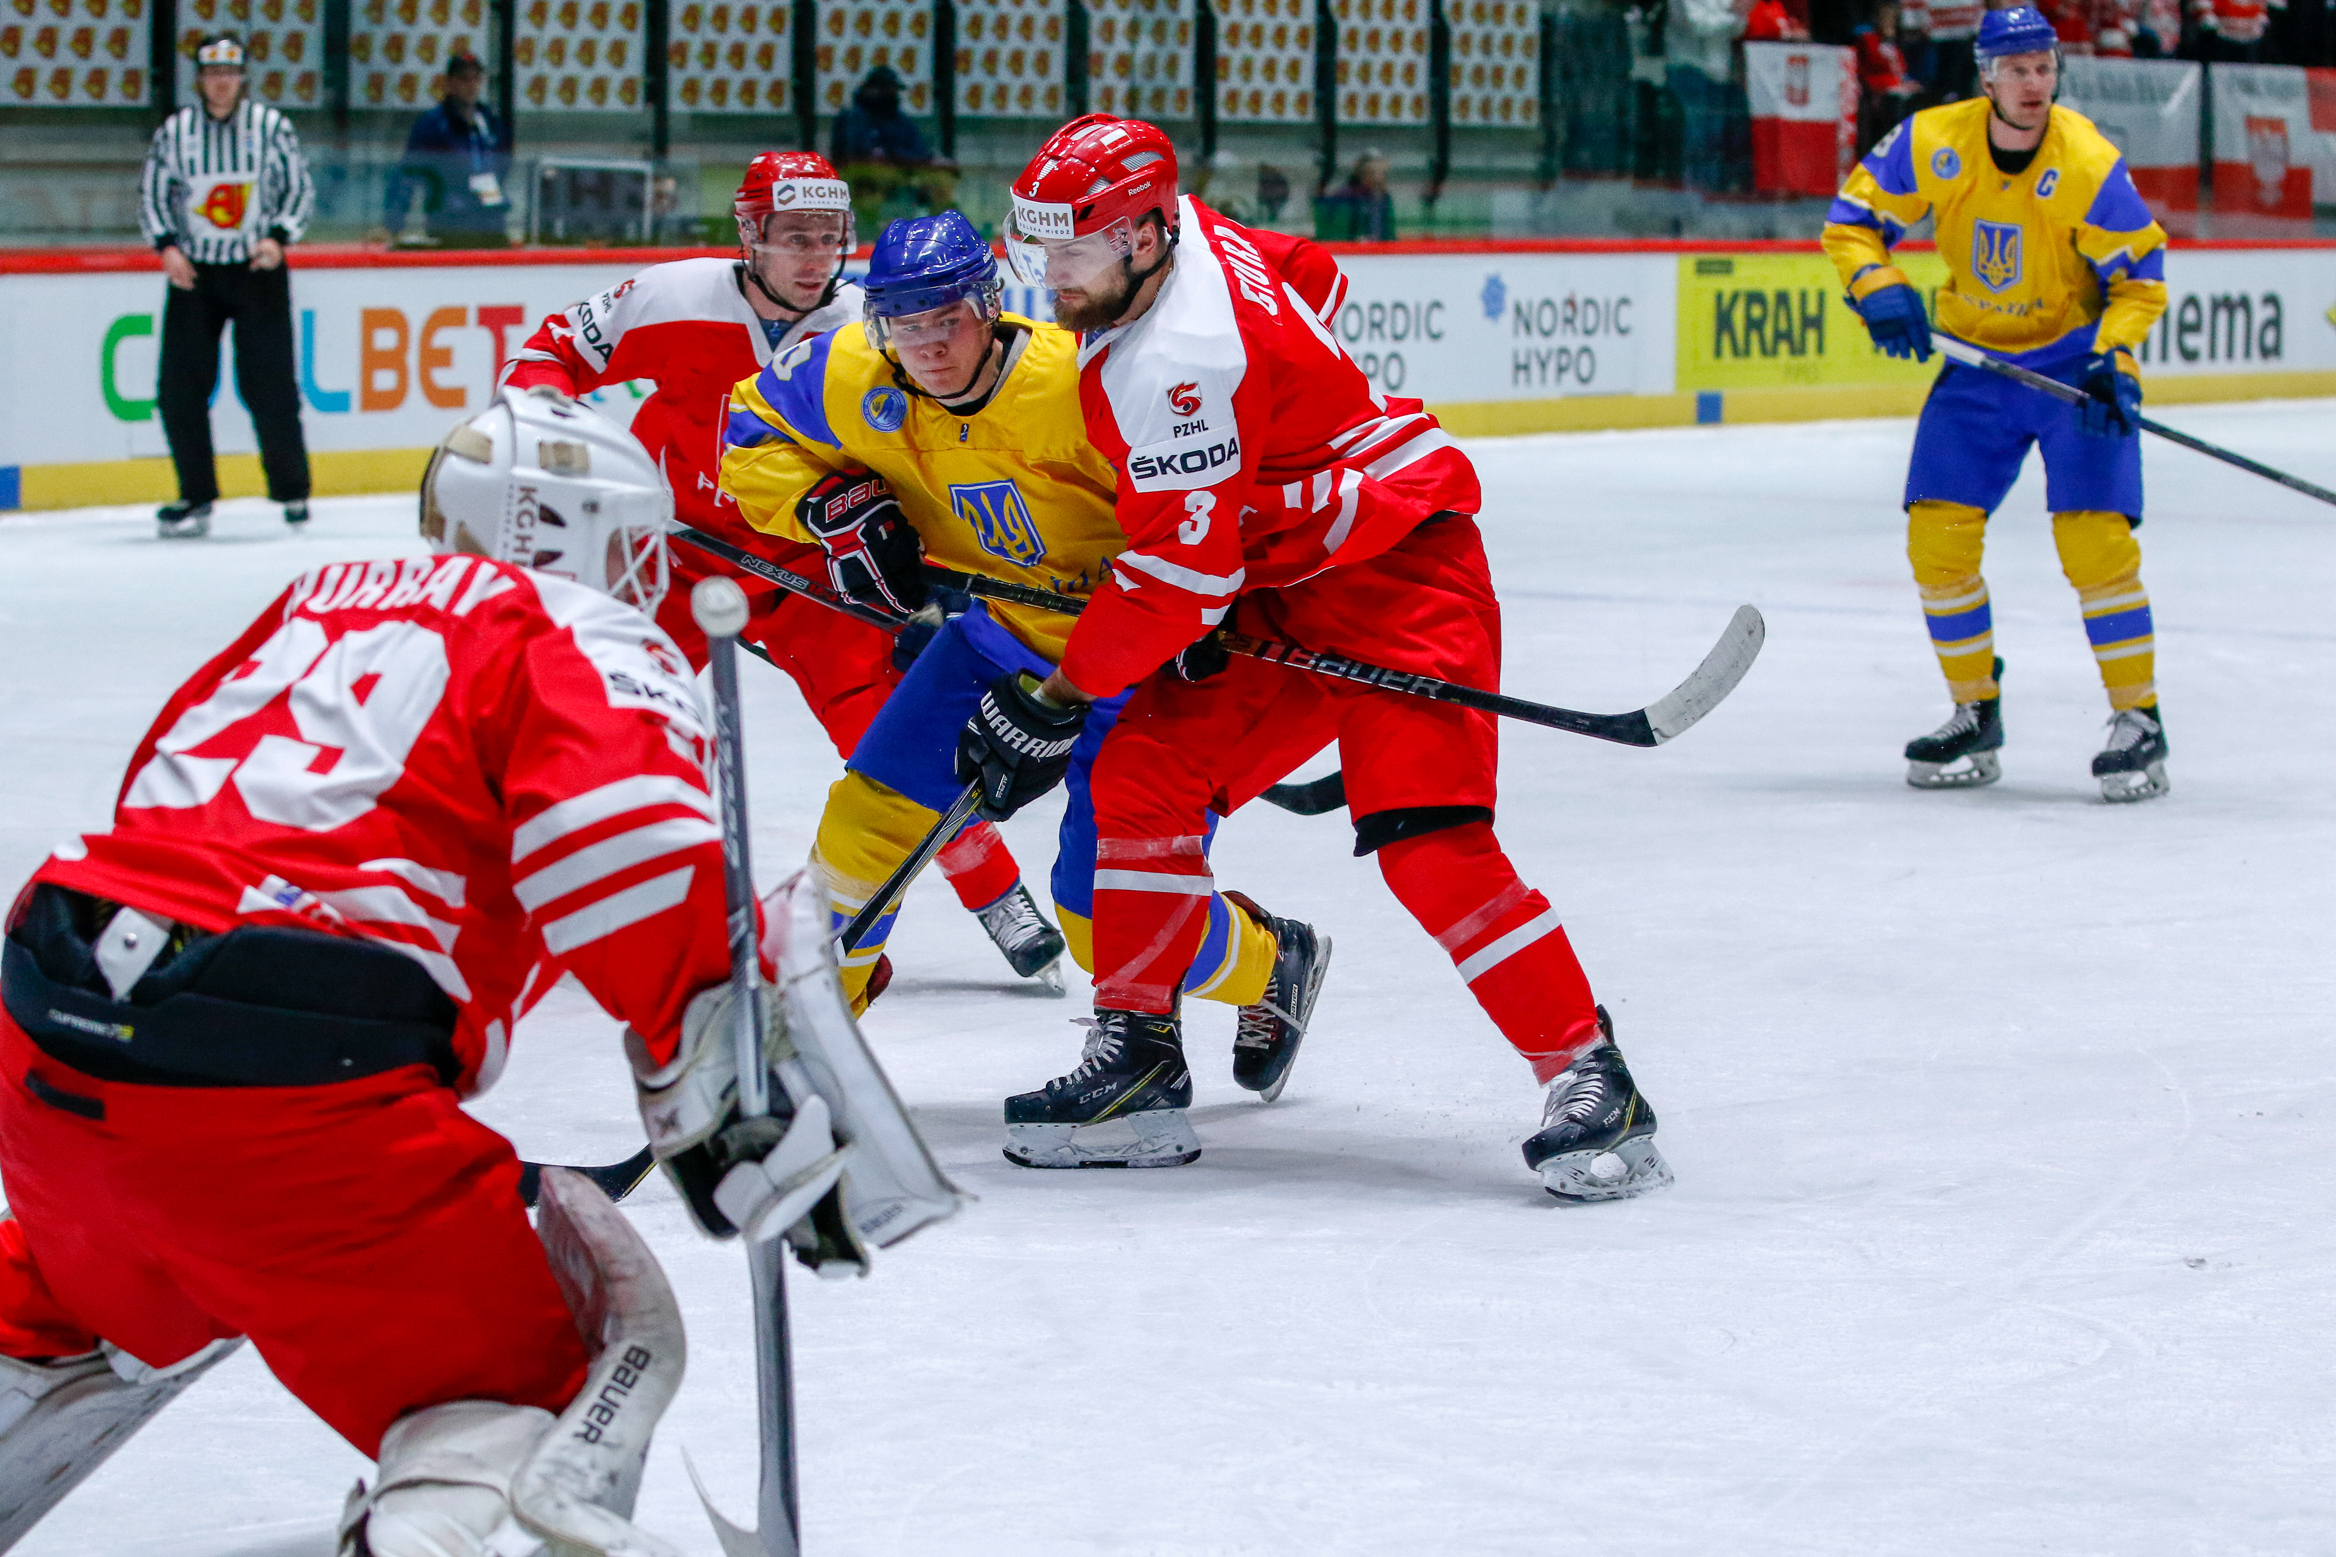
[
  {"x": 1363, "y": 208},
  {"x": 2231, "y": 31},
  {"x": 2072, "y": 21},
  {"x": 2114, "y": 24},
  {"x": 1885, "y": 92},
  {"x": 458, "y": 158},
  {"x": 880, "y": 152},
  {"x": 2158, "y": 32},
  {"x": 1947, "y": 28},
  {"x": 1773, "y": 21}
]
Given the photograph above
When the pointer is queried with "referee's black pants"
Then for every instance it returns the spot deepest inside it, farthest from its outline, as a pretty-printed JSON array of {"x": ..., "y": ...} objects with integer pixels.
[{"x": 260, "y": 304}]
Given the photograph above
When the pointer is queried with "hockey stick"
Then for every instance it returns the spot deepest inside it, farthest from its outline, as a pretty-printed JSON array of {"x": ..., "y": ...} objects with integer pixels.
[
  {"x": 895, "y": 884},
  {"x": 1659, "y": 721},
  {"x": 616, "y": 1179},
  {"x": 787, "y": 579},
  {"x": 1325, "y": 794},
  {"x": 721, "y": 611},
  {"x": 1973, "y": 357}
]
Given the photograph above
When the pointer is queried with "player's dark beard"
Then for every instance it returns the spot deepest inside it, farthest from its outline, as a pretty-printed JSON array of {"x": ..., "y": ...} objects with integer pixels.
[{"x": 1099, "y": 310}]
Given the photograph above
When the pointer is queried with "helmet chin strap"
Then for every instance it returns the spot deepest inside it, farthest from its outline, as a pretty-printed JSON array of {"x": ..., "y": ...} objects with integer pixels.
[
  {"x": 908, "y": 381},
  {"x": 826, "y": 294}
]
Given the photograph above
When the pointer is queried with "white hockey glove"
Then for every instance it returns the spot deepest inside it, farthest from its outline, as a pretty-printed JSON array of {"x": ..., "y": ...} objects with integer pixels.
[{"x": 756, "y": 1176}]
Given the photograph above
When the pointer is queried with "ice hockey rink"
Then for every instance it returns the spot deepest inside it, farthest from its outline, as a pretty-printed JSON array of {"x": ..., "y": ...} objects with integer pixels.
[{"x": 2006, "y": 1207}]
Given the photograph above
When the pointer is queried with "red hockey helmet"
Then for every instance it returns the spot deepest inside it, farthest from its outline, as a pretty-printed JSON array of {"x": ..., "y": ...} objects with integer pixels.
[
  {"x": 781, "y": 181},
  {"x": 1077, "y": 204}
]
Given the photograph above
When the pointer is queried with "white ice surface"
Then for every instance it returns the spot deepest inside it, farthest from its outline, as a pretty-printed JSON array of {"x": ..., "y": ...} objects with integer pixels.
[{"x": 2001, "y": 1119}]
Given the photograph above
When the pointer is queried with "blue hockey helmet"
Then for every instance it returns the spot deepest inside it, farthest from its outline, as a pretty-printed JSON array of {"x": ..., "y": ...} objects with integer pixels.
[
  {"x": 921, "y": 263},
  {"x": 2020, "y": 30}
]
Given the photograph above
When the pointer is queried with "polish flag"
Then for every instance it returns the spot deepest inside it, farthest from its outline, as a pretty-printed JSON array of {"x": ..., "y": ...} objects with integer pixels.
[
  {"x": 2274, "y": 148},
  {"x": 1804, "y": 115}
]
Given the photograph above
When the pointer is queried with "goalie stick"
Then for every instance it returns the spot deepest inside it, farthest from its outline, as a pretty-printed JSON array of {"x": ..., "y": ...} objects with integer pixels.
[{"x": 1973, "y": 357}]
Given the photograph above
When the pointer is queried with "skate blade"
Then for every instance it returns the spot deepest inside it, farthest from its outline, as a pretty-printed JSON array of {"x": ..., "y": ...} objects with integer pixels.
[
  {"x": 2124, "y": 788},
  {"x": 1984, "y": 769},
  {"x": 1050, "y": 978},
  {"x": 1155, "y": 1138},
  {"x": 1630, "y": 1169}
]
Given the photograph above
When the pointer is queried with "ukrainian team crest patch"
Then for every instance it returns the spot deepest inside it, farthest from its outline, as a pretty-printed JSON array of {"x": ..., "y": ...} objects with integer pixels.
[
  {"x": 1995, "y": 254},
  {"x": 884, "y": 409},
  {"x": 1000, "y": 519},
  {"x": 1944, "y": 163}
]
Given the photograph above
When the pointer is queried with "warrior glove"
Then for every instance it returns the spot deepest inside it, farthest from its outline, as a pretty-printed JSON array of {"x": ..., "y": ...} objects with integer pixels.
[
  {"x": 756, "y": 1176},
  {"x": 2112, "y": 404},
  {"x": 873, "y": 554},
  {"x": 1893, "y": 312},
  {"x": 1017, "y": 745}
]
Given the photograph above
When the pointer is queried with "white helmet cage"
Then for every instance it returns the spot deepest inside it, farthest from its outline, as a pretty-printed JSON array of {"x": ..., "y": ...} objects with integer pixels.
[{"x": 546, "y": 482}]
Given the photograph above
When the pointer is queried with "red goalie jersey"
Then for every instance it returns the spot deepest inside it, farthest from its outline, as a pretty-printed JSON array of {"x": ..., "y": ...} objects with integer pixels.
[
  {"x": 496, "y": 773},
  {"x": 1252, "y": 450}
]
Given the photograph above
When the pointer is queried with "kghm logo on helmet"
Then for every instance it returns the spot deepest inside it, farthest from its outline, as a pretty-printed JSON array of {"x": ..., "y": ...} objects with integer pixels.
[
  {"x": 1995, "y": 254},
  {"x": 1000, "y": 519},
  {"x": 884, "y": 409},
  {"x": 1043, "y": 219}
]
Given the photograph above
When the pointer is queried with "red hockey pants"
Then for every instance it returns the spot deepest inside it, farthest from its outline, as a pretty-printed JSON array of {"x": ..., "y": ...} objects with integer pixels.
[
  {"x": 1184, "y": 748},
  {"x": 844, "y": 670},
  {"x": 367, "y": 1236}
]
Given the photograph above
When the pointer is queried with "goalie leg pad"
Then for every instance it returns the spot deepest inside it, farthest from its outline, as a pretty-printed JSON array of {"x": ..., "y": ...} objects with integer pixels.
[
  {"x": 483, "y": 1478},
  {"x": 890, "y": 1185},
  {"x": 61, "y": 1420}
]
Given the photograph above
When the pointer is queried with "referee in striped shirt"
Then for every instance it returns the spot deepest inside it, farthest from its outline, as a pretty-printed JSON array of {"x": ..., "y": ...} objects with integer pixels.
[{"x": 224, "y": 192}]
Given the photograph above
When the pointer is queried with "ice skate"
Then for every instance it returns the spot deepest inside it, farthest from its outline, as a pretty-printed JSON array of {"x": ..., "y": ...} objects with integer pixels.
[
  {"x": 2133, "y": 765},
  {"x": 1597, "y": 1136},
  {"x": 1033, "y": 948},
  {"x": 182, "y": 521},
  {"x": 1266, "y": 1039},
  {"x": 1960, "y": 754},
  {"x": 296, "y": 513},
  {"x": 1122, "y": 1108}
]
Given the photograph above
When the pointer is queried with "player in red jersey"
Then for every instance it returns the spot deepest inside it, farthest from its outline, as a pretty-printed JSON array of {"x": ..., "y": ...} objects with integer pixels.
[
  {"x": 697, "y": 327},
  {"x": 1261, "y": 476},
  {"x": 240, "y": 1023}
]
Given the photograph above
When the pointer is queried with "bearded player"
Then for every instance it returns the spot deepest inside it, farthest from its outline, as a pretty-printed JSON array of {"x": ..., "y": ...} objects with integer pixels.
[
  {"x": 948, "y": 430},
  {"x": 2055, "y": 264},
  {"x": 240, "y": 1023},
  {"x": 697, "y": 327},
  {"x": 1262, "y": 484}
]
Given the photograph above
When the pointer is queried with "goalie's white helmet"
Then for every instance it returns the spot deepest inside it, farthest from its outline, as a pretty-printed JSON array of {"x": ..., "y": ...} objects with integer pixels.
[{"x": 548, "y": 483}]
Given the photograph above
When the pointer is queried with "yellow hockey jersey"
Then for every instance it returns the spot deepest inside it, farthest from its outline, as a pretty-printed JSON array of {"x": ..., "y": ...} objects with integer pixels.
[
  {"x": 1015, "y": 491},
  {"x": 2059, "y": 260}
]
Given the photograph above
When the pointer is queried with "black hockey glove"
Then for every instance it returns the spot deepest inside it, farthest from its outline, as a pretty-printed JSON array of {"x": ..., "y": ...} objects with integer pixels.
[
  {"x": 1015, "y": 746},
  {"x": 1202, "y": 658},
  {"x": 873, "y": 554},
  {"x": 940, "y": 606}
]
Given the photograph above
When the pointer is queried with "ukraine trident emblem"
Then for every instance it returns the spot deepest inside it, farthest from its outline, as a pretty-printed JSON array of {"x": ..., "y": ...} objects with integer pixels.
[
  {"x": 1995, "y": 254},
  {"x": 1000, "y": 519}
]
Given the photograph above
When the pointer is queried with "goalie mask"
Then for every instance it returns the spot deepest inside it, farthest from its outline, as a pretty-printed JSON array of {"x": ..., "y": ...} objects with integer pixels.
[{"x": 544, "y": 481}]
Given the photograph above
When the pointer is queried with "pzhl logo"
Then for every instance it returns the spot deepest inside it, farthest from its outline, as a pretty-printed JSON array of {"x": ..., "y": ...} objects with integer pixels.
[{"x": 1185, "y": 399}]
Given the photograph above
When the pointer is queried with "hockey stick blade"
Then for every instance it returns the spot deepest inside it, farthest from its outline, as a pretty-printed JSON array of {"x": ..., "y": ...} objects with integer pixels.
[
  {"x": 1323, "y": 795},
  {"x": 616, "y": 1179},
  {"x": 736, "y": 1540},
  {"x": 1713, "y": 680}
]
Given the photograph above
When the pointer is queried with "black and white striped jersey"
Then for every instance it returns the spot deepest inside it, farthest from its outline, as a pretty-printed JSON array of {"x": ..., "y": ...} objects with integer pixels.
[{"x": 216, "y": 187}]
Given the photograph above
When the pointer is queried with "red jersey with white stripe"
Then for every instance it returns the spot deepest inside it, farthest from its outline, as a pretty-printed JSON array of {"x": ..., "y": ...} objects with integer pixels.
[
  {"x": 2241, "y": 21},
  {"x": 1243, "y": 436},
  {"x": 494, "y": 772},
  {"x": 1943, "y": 18},
  {"x": 685, "y": 324}
]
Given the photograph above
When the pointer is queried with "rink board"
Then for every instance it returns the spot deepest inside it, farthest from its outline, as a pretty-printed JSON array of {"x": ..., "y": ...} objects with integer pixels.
[{"x": 1500, "y": 338}]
